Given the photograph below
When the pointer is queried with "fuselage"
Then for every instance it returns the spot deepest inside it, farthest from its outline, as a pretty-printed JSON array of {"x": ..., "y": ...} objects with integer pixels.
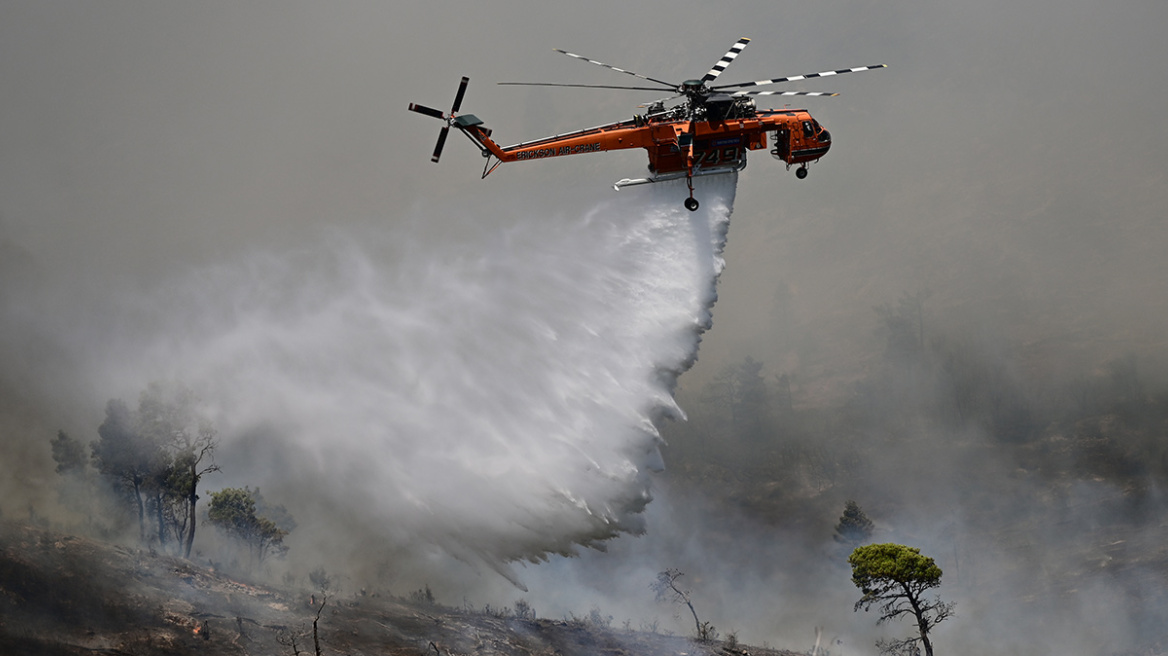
[{"x": 680, "y": 145}]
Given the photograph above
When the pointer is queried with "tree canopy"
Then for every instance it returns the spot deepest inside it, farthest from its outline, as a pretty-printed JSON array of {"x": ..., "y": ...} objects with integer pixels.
[
  {"x": 235, "y": 511},
  {"x": 156, "y": 456},
  {"x": 126, "y": 457}
]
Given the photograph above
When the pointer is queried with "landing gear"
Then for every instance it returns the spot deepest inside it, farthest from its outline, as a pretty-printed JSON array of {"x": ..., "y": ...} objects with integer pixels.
[
  {"x": 801, "y": 172},
  {"x": 691, "y": 203}
]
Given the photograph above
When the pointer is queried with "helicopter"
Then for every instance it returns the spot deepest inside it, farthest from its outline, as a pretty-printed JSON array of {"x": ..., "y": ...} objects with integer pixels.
[{"x": 707, "y": 133}]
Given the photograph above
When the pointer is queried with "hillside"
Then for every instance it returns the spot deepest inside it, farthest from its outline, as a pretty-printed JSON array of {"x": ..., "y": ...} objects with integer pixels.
[
  {"x": 63, "y": 595},
  {"x": 1042, "y": 501}
]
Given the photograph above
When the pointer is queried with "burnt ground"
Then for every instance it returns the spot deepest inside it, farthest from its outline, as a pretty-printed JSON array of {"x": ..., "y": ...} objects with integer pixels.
[{"x": 64, "y": 595}]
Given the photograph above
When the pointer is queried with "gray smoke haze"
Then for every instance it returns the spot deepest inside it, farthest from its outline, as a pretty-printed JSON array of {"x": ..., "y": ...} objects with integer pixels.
[{"x": 1010, "y": 161}]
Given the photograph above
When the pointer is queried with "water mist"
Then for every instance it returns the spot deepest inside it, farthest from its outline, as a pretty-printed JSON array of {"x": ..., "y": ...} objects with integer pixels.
[{"x": 491, "y": 396}]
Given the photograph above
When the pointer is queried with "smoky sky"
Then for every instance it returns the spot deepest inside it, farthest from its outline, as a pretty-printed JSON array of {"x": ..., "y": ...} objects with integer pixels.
[
  {"x": 1010, "y": 161},
  {"x": 1010, "y": 149}
]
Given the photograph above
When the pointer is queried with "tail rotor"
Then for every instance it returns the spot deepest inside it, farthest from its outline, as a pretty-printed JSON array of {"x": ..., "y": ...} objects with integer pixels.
[{"x": 448, "y": 118}]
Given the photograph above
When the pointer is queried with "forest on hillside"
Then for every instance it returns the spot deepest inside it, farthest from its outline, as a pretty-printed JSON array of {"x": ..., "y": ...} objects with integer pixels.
[{"x": 1045, "y": 493}]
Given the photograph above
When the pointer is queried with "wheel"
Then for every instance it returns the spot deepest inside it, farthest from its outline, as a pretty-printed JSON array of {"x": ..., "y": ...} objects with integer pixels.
[
  {"x": 691, "y": 204},
  {"x": 801, "y": 172}
]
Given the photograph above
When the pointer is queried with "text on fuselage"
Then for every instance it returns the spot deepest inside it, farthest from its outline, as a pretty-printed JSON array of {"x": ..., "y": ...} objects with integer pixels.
[{"x": 556, "y": 152}]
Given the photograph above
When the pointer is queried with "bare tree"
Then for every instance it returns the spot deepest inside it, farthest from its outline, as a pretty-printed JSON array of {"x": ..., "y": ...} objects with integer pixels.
[
  {"x": 315, "y": 622},
  {"x": 666, "y": 588},
  {"x": 289, "y": 638}
]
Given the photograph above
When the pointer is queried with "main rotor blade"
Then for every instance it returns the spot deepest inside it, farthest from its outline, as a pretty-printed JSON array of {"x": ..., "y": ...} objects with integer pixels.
[
  {"x": 459, "y": 95},
  {"x": 618, "y": 70},
  {"x": 783, "y": 93},
  {"x": 794, "y": 78},
  {"x": 441, "y": 142},
  {"x": 428, "y": 111},
  {"x": 585, "y": 86},
  {"x": 725, "y": 60},
  {"x": 659, "y": 100}
]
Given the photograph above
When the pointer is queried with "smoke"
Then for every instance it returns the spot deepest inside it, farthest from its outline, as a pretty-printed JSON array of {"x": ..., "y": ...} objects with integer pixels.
[{"x": 491, "y": 396}]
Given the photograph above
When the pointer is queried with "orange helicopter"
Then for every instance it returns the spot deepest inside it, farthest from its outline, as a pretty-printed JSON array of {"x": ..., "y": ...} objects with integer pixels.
[{"x": 708, "y": 133}]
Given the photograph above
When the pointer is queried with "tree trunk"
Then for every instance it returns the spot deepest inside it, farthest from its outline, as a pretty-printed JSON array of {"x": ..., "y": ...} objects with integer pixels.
[
  {"x": 922, "y": 622},
  {"x": 697, "y": 623},
  {"x": 191, "y": 510},
  {"x": 141, "y": 511},
  {"x": 685, "y": 597},
  {"x": 161, "y": 521}
]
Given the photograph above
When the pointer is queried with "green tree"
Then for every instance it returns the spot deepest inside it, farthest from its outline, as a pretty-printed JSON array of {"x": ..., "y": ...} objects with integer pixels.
[
  {"x": 167, "y": 415},
  {"x": 854, "y": 527},
  {"x": 127, "y": 458},
  {"x": 235, "y": 511},
  {"x": 68, "y": 453},
  {"x": 741, "y": 390},
  {"x": 156, "y": 456},
  {"x": 903, "y": 326},
  {"x": 75, "y": 484},
  {"x": 894, "y": 578}
]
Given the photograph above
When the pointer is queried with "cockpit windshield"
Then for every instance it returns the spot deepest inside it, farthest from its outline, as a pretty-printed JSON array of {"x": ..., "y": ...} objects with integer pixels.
[{"x": 812, "y": 128}]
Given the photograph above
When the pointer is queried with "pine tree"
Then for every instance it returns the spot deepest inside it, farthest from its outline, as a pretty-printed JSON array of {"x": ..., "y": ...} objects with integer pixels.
[
  {"x": 894, "y": 579},
  {"x": 854, "y": 527}
]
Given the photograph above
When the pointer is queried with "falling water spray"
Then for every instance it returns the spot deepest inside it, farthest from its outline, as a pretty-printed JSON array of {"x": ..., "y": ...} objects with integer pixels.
[{"x": 494, "y": 397}]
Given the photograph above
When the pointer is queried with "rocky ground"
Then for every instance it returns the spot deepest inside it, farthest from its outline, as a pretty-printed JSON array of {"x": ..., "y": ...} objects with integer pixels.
[{"x": 67, "y": 595}]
